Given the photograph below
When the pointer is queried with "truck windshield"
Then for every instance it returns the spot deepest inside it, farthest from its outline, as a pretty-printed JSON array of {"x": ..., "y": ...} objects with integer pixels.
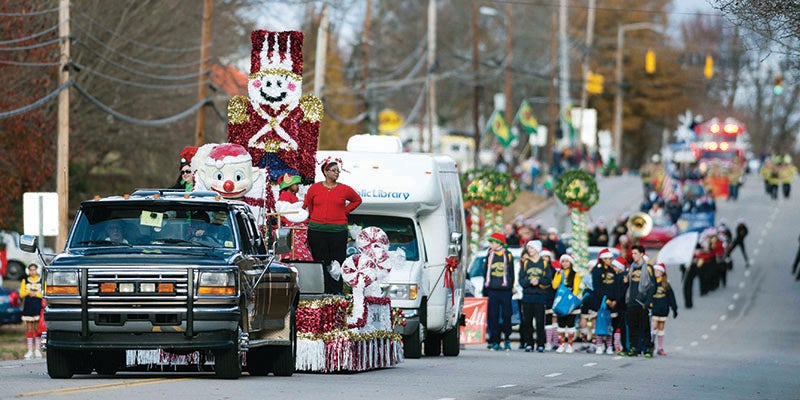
[
  {"x": 145, "y": 224},
  {"x": 400, "y": 231}
]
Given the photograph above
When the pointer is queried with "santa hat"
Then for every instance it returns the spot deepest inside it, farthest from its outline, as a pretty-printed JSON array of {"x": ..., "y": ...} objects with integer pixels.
[
  {"x": 660, "y": 267},
  {"x": 546, "y": 252},
  {"x": 277, "y": 53},
  {"x": 552, "y": 230},
  {"x": 227, "y": 153},
  {"x": 187, "y": 154},
  {"x": 497, "y": 237},
  {"x": 556, "y": 265},
  {"x": 534, "y": 244},
  {"x": 567, "y": 257},
  {"x": 286, "y": 180},
  {"x": 605, "y": 253},
  {"x": 620, "y": 263}
]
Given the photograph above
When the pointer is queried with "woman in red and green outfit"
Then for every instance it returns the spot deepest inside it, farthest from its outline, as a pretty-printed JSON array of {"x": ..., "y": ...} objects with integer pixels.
[{"x": 328, "y": 204}]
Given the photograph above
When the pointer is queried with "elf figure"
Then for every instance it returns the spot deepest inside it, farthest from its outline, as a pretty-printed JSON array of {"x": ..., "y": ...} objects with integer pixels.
[{"x": 277, "y": 126}]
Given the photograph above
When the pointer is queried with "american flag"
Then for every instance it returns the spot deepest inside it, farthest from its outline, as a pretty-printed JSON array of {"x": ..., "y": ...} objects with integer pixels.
[{"x": 667, "y": 187}]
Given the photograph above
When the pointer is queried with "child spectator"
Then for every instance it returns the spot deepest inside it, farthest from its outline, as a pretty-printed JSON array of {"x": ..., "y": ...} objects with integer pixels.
[
  {"x": 566, "y": 323},
  {"x": 663, "y": 301},
  {"x": 498, "y": 287}
]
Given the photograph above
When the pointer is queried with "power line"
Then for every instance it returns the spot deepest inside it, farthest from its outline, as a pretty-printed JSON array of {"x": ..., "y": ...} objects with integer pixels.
[
  {"x": 29, "y": 64},
  {"x": 127, "y": 57},
  {"x": 29, "y": 14},
  {"x": 29, "y": 37},
  {"x": 81, "y": 68},
  {"x": 137, "y": 121},
  {"x": 192, "y": 75},
  {"x": 37, "y": 103},
  {"x": 137, "y": 43},
  {"x": 33, "y": 46}
]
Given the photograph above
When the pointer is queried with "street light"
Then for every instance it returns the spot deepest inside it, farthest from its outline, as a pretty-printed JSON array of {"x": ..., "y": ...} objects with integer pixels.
[
  {"x": 618, "y": 96},
  {"x": 488, "y": 11}
]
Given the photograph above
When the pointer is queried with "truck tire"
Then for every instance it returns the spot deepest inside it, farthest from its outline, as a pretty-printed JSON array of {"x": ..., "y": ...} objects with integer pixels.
[
  {"x": 15, "y": 271},
  {"x": 412, "y": 346},
  {"x": 258, "y": 362},
  {"x": 451, "y": 342},
  {"x": 286, "y": 356},
  {"x": 433, "y": 344},
  {"x": 228, "y": 363},
  {"x": 109, "y": 362},
  {"x": 58, "y": 364}
]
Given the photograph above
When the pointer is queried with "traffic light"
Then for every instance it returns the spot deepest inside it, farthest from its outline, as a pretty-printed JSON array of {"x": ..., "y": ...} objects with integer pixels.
[
  {"x": 594, "y": 83},
  {"x": 708, "y": 69},
  {"x": 777, "y": 90},
  {"x": 650, "y": 61}
]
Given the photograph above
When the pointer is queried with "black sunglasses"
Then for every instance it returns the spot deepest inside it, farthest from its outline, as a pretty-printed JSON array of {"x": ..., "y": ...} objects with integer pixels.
[{"x": 186, "y": 171}]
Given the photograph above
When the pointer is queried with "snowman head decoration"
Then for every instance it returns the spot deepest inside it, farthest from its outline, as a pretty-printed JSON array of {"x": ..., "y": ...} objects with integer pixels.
[
  {"x": 276, "y": 70},
  {"x": 229, "y": 171}
]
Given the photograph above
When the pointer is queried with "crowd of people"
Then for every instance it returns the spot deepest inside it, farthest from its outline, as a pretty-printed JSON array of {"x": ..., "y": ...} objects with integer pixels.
[{"x": 635, "y": 294}]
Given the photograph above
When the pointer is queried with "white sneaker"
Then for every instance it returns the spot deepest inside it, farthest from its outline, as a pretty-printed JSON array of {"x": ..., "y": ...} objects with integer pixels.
[
  {"x": 29, "y": 355},
  {"x": 569, "y": 349},
  {"x": 609, "y": 350},
  {"x": 37, "y": 354},
  {"x": 599, "y": 350},
  {"x": 561, "y": 348}
]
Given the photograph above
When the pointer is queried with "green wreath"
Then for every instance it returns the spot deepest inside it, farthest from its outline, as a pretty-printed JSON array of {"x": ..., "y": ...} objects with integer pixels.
[{"x": 577, "y": 189}]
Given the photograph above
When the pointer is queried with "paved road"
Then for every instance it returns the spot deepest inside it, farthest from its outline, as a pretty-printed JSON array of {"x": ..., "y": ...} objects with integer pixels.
[{"x": 740, "y": 342}]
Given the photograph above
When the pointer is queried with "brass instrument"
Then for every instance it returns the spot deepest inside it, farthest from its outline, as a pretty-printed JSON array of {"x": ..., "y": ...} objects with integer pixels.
[{"x": 639, "y": 225}]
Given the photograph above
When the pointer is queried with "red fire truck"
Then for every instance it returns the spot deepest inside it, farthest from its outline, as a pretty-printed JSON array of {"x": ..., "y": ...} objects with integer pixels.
[{"x": 720, "y": 145}]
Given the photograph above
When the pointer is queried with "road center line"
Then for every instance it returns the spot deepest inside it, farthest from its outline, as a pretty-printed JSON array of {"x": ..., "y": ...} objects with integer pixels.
[
  {"x": 103, "y": 386},
  {"x": 736, "y": 296},
  {"x": 723, "y": 317},
  {"x": 506, "y": 386},
  {"x": 553, "y": 375},
  {"x": 591, "y": 364},
  {"x": 714, "y": 327},
  {"x": 704, "y": 336}
]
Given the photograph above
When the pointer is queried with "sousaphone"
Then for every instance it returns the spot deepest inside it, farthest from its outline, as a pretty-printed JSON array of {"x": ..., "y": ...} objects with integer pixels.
[{"x": 639, "y": 225}]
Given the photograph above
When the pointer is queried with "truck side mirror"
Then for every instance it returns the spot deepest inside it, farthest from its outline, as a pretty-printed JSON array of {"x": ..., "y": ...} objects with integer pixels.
[
  {"x": 456, "y": 237},
  {"x": 283, "y": 241},
  {"x": 29, "y": 243}
]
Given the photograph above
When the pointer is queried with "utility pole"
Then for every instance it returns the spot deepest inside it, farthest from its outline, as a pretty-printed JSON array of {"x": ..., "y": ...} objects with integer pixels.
[
  {"x": 586, "y": 57},
  {"x": 509, "y": 112},
  {"x": 431, "y": 73},
  {"x": 62, "y": 158},
  {"x": 365, "y": 67},
  {"x": 202, "y": 90},
  {"x": 476, "y": 133},
  {"x": 321, "y": 53},
  {"x": 552, "y": 113},
  {"x": 563, "y": 71}
]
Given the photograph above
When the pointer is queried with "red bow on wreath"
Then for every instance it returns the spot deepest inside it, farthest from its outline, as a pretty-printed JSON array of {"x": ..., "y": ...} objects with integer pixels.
[
  {"x": 578, "y": 205},
  {"x": 451, "y": 263}
]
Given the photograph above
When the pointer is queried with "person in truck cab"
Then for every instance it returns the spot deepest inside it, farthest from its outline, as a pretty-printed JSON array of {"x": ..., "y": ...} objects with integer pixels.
[{"x": 116, "y": 232}]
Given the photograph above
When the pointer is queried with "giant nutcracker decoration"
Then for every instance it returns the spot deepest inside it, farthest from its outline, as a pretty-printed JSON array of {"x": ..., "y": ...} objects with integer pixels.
[
  {"x": 277, "y": 125},
  {"x": 578, "y": 191}
]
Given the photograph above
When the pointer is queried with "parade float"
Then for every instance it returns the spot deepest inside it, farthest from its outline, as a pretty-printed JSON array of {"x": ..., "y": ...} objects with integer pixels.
[{"x": 272, "y": 138}]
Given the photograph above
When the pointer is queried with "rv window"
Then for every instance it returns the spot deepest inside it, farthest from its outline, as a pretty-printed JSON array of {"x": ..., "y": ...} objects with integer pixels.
[{"x": 400, "y": 231}]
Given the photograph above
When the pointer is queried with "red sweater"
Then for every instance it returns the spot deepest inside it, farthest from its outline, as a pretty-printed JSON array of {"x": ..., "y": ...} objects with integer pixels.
[{"x": 330, "y": 206}]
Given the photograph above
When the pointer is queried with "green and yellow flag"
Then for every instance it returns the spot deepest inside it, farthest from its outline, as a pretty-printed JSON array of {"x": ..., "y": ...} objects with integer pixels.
[
  {"x": 526, "y": 118},
  {"x": 498, "y": 126}
]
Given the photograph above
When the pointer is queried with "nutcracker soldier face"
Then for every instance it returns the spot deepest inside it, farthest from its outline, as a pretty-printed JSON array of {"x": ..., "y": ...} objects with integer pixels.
[{"x": 276, "y": 69}]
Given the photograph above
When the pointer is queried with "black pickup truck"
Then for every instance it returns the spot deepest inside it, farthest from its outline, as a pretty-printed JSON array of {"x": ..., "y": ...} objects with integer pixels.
[{"x": 175, "y": 272}]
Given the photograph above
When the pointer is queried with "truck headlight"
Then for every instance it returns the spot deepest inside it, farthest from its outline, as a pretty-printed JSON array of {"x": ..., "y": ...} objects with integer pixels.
[
  {"x": 402, "y": 291},
  {"x": 61, "y": 283},
  {"x": 217, "y": 283}
]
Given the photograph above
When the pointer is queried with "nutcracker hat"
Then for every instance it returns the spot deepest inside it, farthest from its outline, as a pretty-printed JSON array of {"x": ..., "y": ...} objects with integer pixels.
[
  {"x": 278, "y": 53},
  {"x": 605, "y": 253},
  {"x": 228, "y": 153},
  {"x": 497, "y": 237},
  {"x": 286, "y": 180}
]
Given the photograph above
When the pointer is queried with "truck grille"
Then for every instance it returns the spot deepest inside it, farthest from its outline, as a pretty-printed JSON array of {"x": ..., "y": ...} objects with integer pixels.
[{"x": 137, "y": 281}]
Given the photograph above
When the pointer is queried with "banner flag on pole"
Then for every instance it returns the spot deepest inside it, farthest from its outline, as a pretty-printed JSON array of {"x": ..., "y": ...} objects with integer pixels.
[
  {"x": 527, "y": 119},
  {"x": 498, "y": 127}
]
